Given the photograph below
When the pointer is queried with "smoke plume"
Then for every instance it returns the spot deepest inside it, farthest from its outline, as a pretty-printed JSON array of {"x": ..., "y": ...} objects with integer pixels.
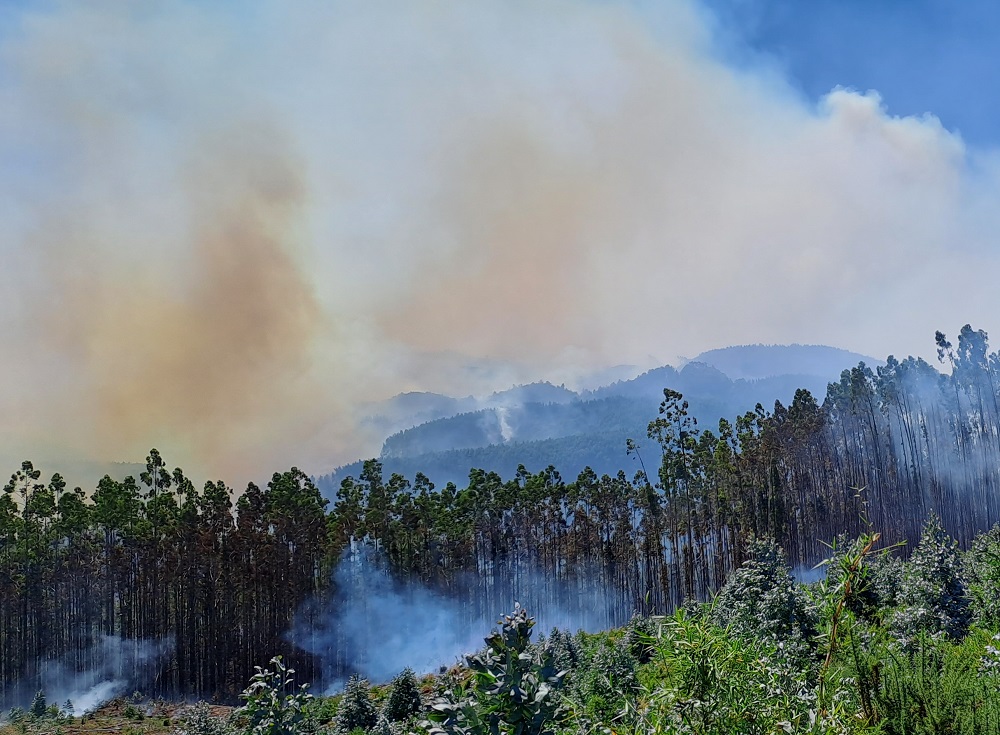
[
  {"x": 376, "y": 626},
  {"x": 118, "y": 667},
  {"x": 224, "y": 228}
]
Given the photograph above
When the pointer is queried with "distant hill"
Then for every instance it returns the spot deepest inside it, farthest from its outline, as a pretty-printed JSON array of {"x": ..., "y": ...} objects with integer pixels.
[
  {"x": 410, "y": 409},
  {"x": 540, "y": 393},
  {"x": 527, "y": 422},
  {"x": 752, "y": 362},
  {"x": 541, "y": 424}
]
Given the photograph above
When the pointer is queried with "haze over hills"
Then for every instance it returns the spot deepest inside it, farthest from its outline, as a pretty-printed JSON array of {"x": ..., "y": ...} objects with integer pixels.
[
  {"x": 540, "y": 424},
  {"x": 752, "y": 362}
]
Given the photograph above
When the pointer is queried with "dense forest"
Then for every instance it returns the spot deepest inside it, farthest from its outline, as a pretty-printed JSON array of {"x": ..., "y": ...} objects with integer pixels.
[{"x": 217, "y": 587}]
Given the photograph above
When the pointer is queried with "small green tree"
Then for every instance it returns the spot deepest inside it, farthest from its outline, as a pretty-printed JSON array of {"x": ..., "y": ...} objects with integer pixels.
[
  {"x": 39, "y": 706},
  {"x": 934, "y": 595},
  {"x": 404, "y": 698},
  {"x": 608, "y": 677},
  {"x": 198, "y": 720},
  {"x": 356, "y": 707},
  {"x": 640, "y": 638},
  {"x": 982, "y": 564},
  {"x": 761, "y": 599},
  {"x": 564, "y": 648}
]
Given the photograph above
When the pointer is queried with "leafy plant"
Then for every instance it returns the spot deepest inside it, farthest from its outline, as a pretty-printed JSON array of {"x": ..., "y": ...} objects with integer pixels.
[
  {"x": 761, "y": 599},
  {"x": 356, "y": 707},
  {"x": 512, "y": 689},
  {"x": 39, "y": 706},
  {"x": 404, "y": 698},
  {"x": 849, "y": 595},
  {"x": 269, "y": 710},
  {"x": 705, "y": 680},
  {"x": 198, "y": 720},
  {"x": 606, "y": 679},
  {"x": 938, "y": 686},
  {"x": 640, "y": 638},
  {"x": 982, "y": 565},
  {"x": 934, "y": 594}
]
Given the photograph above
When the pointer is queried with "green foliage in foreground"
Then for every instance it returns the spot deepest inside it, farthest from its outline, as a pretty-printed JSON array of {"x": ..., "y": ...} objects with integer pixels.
[
  {"x": 880, "y": 647},
  {"x": 512, "y": 689},
  {"x": 270, "y": 707}
]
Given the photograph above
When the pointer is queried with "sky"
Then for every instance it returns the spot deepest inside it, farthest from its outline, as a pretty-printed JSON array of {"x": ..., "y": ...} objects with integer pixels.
[
  {"x": 226, "y": 228},
  {"x": 923, "y": 56}
]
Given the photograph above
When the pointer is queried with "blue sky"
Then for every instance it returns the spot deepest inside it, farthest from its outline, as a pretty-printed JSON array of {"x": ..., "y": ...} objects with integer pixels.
[{"x": 922, "y": 56}]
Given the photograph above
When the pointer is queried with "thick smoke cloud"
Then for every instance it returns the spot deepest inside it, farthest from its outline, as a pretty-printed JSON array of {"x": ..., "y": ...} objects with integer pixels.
[{"x": 224, "y": 228}]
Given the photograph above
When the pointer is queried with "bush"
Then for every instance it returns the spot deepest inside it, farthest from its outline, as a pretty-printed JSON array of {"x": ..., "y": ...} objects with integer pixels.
[
  {"x": 607, "y": 679},
  {"x": 268, "y": 709},
  {"x": 384, "y": 727},
  {"x": 760, "y": 599},
  {"x": 39, "y": 706},
  {"x": 982, "y": 567},
  {"x": 939, "y": 686},
  {"x": 933, "y": 595},
  {"x": 706, "y": 681},
  {"x": 640, "y": 637},
  {"x": 404, "y": 698},
  {"x": 512, "y": 688},
  {"x": 356, "y": 707},
  {"x": 198, "y": 720}
]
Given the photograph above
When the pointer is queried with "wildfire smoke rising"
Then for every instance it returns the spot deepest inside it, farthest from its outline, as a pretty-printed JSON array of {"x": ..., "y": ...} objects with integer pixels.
[{"x": 223, "y": 228}]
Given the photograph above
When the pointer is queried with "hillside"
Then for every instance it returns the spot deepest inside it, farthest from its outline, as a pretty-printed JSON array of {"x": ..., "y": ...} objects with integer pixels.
[
  {"x": 752, "y": 362},
  {"x": 540, "y": 424}
]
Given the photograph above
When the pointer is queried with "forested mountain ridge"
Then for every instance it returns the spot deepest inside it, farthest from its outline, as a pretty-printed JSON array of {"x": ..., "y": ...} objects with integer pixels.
[
  {"x": 752, "y": 362},
  {"x": 534, "y": 424}
]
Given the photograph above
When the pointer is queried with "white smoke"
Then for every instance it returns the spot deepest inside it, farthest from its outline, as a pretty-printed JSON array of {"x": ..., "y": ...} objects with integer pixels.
[
  {"x": 506, "y": 432},
  {"x": 376, "y": 626},
  {"x": 385, "y": 626},
  {"x": 122, "y": 665}
]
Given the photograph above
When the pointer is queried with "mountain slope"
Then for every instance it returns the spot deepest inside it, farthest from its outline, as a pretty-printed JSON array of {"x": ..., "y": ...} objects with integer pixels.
[{"x": 541, "y": 424}]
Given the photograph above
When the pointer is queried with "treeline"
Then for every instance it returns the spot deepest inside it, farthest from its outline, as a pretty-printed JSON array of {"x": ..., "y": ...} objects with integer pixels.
[
  {"x": 153, "y": 582},
  {"x": 219, "y": 586}
]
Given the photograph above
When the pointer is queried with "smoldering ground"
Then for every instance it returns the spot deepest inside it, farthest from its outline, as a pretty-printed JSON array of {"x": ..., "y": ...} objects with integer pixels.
[
  {"x": 111, "y": 667},
  {"x": 225, "y": 228}
]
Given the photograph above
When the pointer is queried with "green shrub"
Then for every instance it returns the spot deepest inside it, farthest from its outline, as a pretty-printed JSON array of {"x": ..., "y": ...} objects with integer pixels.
[
  {"x": 198, "y": 720},
  {"x": 934, "y": 597},
  {"x": 640, "y": 638},
  {"x": 606, "y": 679},
  {"x": 938, "y": 686},
  {"x": 404, "y": 698},
  {"x": 356, "y": 707},
  {"x": 39, "y": 706},
  {"x": 268, "y": 709},
  {"x": 133, "y": 713},
  {"x": 761, "y": 599},
  {"x": 705, "y": 680},
  {"x": 512, "y": 690},
  {"x": 982, "y": 567},
  {"x": 384, "y": 727},
  {"x": 564, "y": 648}
]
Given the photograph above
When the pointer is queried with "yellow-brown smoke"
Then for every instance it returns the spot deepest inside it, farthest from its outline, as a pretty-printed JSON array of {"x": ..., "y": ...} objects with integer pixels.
[{"x": 207, "y": 354}]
